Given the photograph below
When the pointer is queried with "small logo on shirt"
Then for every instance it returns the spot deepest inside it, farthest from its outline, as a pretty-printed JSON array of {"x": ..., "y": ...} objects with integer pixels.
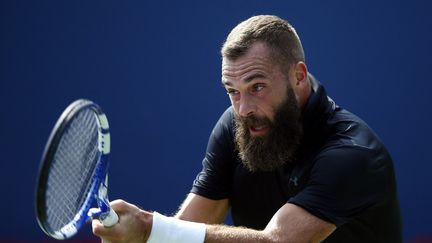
[{"x": 294, "y": 180}]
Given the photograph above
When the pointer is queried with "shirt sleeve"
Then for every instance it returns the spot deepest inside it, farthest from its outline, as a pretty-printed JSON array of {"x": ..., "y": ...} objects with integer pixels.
[
  {"x": 214, "y": 180},
  {"x": 344, "y": 182}
]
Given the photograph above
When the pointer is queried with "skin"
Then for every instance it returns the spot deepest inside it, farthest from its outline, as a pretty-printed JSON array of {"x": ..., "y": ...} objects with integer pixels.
[{"x": 256, "y": 86}]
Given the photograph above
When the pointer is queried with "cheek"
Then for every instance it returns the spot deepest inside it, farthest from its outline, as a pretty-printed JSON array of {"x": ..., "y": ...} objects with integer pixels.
[
  {"x": 273, "y": 106},
  {"x": 268, "y": 110},
  {"x": 235, "y": 106}
]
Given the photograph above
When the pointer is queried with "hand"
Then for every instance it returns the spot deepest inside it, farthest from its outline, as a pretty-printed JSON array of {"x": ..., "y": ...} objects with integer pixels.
[{"x": 134, "y": 224}]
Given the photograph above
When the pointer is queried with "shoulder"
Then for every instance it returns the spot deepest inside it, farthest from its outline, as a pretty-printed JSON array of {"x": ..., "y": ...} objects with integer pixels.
[
  {"x": 344, "y": 181},
  {"x": 224, "y": 128},
  {"x": 353, "y": 156},
  {"x": 227, "y": 117},
  {"x": 352, "y": 144},
  {"x": 348, "y": 132}
]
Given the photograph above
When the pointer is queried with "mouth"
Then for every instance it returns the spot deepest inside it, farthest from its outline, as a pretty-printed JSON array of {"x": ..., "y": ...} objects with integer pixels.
[{"x": 258, "y": 130}]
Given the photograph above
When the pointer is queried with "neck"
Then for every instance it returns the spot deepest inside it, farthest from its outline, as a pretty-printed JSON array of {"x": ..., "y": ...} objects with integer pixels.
[{"x": 305, "y": 93}]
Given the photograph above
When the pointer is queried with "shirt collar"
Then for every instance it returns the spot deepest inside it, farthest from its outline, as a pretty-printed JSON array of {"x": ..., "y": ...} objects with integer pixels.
[{"x": 316, "y": 112}]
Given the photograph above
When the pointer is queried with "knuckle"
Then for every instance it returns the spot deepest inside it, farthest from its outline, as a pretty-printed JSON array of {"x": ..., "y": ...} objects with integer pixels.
[
  {"x": 117, "y": 201},
  {"x": 118, "y": 204}
]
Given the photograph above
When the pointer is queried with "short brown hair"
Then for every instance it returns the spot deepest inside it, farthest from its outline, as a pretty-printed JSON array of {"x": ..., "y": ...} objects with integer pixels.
[{"x": 277, "y": 33}]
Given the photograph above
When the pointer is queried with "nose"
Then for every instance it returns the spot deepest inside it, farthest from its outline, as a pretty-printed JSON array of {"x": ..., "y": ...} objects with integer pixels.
[{"x": 246, "y": 107}]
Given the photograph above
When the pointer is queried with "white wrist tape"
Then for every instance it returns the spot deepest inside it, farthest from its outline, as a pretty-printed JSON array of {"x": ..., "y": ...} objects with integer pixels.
[{"x": 172, "y": 230}]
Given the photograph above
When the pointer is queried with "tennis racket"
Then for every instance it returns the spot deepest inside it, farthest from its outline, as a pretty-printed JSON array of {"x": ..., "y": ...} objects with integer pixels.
[{"x": 73, "y": 174}]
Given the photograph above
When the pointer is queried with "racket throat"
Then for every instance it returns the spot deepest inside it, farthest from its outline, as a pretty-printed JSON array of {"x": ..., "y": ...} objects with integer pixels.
[
  {"x": 102, "y": 201},
  {"x": 104, "y": 213}
]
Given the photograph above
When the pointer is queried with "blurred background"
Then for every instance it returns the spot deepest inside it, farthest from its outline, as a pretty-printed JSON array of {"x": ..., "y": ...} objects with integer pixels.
[{"x": 154, "y": 67}]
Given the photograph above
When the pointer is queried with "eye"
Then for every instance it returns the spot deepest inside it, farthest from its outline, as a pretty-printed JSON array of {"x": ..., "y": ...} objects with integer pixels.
[
  {"x": 232, "y": 92},
  {"x": 258, "y": 87}
]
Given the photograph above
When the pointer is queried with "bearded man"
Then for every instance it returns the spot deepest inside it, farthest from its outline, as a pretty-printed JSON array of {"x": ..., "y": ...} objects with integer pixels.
[{"x": 290, "y": 164}]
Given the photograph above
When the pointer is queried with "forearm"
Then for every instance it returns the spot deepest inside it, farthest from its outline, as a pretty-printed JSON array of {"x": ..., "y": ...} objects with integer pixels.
[
  {"x": 228, "y": 234},
  {"x": 199, "y": 209},
  {"x": 290, "y": 224}
]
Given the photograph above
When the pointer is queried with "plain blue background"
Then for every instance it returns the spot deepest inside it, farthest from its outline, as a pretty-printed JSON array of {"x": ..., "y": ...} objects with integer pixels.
[{"x": 154, "y": 67}]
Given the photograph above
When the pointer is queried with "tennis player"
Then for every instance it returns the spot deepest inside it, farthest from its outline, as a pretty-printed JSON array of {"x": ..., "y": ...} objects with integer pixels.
[{"x": 291, "y": 164}]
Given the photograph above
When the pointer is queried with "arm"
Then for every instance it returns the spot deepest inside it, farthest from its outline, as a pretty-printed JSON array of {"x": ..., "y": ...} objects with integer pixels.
[
  {"x": 290, "y": 224},
  {"x": 200, "y": 209}
]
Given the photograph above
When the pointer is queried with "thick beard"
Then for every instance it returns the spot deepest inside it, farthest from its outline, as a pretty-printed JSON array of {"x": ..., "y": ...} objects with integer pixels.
[{"x": 278, "y": 146}]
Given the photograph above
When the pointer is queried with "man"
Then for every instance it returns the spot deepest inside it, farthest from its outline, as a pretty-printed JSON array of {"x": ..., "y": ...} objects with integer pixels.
[{"x": 291, "y": 164}]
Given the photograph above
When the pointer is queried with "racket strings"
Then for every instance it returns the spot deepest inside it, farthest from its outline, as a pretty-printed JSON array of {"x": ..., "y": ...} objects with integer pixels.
[{"x": 72, "y": 169}]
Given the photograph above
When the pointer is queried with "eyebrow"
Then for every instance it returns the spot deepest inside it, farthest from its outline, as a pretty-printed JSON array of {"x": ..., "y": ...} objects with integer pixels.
[
  {"x": 226, "y": 83},
  {"x": 247, "y": 80}
]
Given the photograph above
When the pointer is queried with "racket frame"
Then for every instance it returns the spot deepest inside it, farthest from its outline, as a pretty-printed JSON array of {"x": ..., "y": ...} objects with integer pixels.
[{"x": 99, "y": 185}]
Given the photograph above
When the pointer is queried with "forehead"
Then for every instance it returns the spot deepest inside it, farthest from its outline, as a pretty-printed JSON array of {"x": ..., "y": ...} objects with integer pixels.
[{"x": 257, "y": 58}]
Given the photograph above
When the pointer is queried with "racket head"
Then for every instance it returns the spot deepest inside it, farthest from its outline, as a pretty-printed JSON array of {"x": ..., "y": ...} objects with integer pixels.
[{"x": 73, "y": 167}]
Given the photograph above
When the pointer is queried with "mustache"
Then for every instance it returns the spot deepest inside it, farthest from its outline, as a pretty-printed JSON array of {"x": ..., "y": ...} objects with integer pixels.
[{"x": 253, "y": 121}]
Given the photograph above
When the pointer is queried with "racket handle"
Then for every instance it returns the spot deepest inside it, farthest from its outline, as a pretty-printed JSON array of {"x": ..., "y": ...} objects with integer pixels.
[{"x": 110, "y": 219}]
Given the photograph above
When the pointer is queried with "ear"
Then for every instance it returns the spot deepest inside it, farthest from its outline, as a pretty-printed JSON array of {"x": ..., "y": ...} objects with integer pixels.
[
  {"x": 301, "y": 86},
  {"x": 300, "y": 70}
]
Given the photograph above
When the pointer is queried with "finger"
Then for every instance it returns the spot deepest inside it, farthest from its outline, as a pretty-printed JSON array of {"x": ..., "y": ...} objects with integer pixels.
[
  {"x": 120, "y": 207},
  {"x": 100, "y": 230},
  {"x": 97, "y": 227}
]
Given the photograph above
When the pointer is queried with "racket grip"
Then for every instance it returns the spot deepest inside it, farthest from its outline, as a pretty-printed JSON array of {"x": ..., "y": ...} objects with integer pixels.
[{"x": 110, "y": 219}]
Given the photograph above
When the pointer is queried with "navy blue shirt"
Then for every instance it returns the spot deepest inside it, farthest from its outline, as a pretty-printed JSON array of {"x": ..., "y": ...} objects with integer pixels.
[{"x": 343, "y": 174}]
